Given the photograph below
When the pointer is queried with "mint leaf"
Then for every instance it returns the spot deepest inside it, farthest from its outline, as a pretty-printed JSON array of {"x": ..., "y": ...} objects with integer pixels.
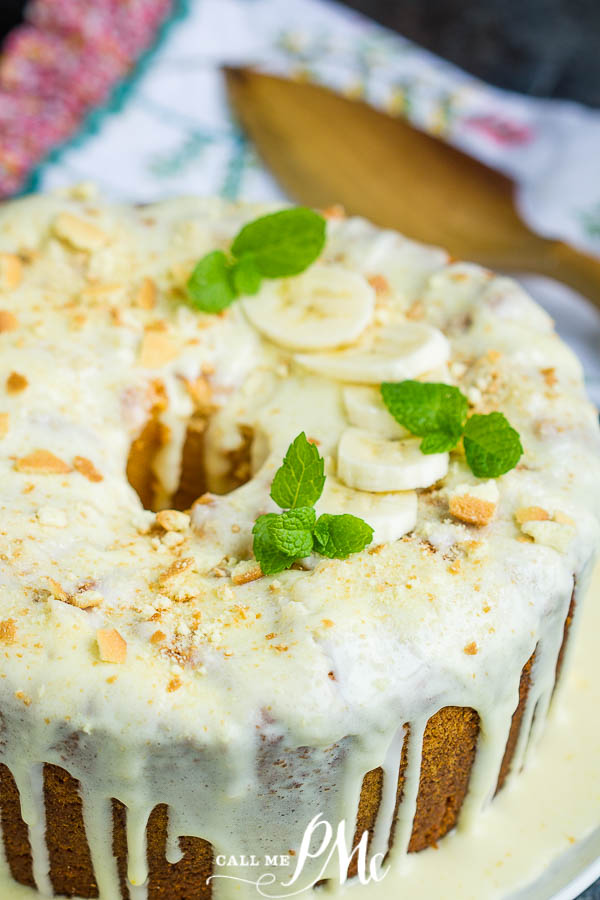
[
  {"x": 209, "y": 286},
  {"x": 439, "y": 442},
  {"x": 300, "y": 479},
  {"x": 282, "y": 538},
  {"x": 274, "y": 246},
  {"x": 282, "y": 243},
  {"x": 436, "y": 412},
  {"x": 266, "y": 551},
  {"x": 292, "y": 532},
  {"x": 245, "y": 276},
  {"x": 339, "y": 536},
  {"x": 492, "y": 446}
]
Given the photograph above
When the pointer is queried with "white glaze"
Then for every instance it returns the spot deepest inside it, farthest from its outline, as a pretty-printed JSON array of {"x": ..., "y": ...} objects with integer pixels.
[
  {"x": 528, "y": 826},
  {"x": 396, "y": 645}
]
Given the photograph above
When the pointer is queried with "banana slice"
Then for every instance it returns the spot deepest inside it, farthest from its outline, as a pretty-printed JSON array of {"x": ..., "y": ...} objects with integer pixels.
[
  {"x": 399, "y": 351},
  {"x": 325, "y": 307},
  {"x": 390, "y": 515},
  {"x": 366, "y": 409},
  {"x": 372, "y": 463}
]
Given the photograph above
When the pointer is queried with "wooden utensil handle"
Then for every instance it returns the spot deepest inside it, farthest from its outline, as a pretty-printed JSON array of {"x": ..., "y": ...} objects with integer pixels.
[
  {"x": 573, "y": 267},
  {"x": 383, "y": 168}
]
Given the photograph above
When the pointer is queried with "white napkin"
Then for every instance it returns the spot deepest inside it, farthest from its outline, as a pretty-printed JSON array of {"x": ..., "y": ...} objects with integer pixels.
[{"x": 171, "y": 131}]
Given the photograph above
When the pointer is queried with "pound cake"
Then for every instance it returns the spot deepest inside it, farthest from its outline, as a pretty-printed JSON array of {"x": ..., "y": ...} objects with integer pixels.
[{"x": 174, "y": 705}]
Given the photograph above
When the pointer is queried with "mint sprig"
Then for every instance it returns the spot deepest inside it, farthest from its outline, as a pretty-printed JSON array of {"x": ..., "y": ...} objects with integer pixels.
[
  {"x": 278, "y": 245},
  {"x": 282, "y": 538},
  {"x": 492, "y": 446},
  {"x": 338, "y": 537},
  {"x": 438, "y": 413},
  {"x": 270, "y": 557},
  {"x": 212, "y": 281},
  {"x": 283, "y": 243},
  {"x": 300, "y": 480}
]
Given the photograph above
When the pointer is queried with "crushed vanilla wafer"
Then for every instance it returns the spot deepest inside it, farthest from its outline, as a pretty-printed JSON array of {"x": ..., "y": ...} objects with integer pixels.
[
  {"x": 474, "y": 504},
  {"x": 244, "y": 572},
  {"x": 172, "y": 520},
  {"x": 8, "y": 321},
  {"x": 8, "y": 631},
  {"x": 156, "y": 350},
  {"x": 15, "y": 383},
  {"x": 11, "y": 271},
  {"x": 146, "y": 295},
  {"x": 379, "y": 283},
  {"x": 56, "y": 590},
  {"x": 87, "y": 468},
  {"x": 111, "y": 646},
  {"x": 86, "y": 599},
  {"x": 78, "y": 233},
  {"x": 557, "y": 535},
  {"x": 531, "y": 514},
  {"x": 42, "y": 462},
  {"x": 178, "y": 581}
]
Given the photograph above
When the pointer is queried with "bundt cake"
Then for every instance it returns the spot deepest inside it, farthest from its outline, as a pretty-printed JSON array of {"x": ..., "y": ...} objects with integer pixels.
[{"x": 189, "y": 676}]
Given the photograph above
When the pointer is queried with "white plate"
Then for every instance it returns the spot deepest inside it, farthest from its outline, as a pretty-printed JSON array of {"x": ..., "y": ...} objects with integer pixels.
[{"x": 569, "y": 875}]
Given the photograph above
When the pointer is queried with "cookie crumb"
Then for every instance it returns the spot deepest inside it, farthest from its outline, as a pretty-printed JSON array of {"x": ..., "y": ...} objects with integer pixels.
[
  {"x": 42, "y": 462},
  {"x": 8, "y": 631},
  {"x": 111, "y": 646},
  {"x": 172, "y": 520},
  {"x": 531, "y": 514},
  {"x": 156, "y": 350},
  {"x": 87, "y": 468},
  {"x": 474, "y": 504},
  {"x": 8, "y": 321},
  {"x": 549, "y": 376},
  {"x": 55, "y": 589},
  {"x": 146, "y": 296},
  {"x": 87, "y": 599},
  {"x": 379, "y": 283},
  {"x": 245, "y": 572},
  {"x": 11, "y": 271},
  {"x": 78, "y": 233},
  {"x": 15, "y": 383}
]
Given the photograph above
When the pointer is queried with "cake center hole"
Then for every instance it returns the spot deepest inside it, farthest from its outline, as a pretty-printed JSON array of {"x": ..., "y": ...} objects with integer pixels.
[{"x": 195, "y": 476}]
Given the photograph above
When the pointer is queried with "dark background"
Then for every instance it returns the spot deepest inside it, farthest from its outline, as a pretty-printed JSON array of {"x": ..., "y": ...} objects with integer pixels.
[
  {"x": 548, "y": 48},
  {"x": 10, "y": 14}
]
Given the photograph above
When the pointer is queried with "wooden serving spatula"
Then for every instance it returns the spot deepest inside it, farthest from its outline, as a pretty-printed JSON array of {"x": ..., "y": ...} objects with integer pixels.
[{"x": 325, "y": 149}]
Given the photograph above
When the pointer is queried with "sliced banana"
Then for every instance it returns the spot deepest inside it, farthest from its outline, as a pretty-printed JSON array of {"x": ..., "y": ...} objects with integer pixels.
[
  {"x": 325, "y": 307},
  {"x": 395, "y": 353},
  {"x": 372, "y": 463},
  {"x": 390, "y": 515},
  {"x": 365, "y": 409}
]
